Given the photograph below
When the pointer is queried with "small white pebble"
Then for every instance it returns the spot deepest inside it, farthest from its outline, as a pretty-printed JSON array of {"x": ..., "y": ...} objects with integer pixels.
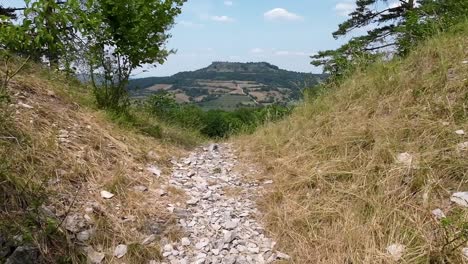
[
  {"x": 25, "y": 105},
  {"x": 120, "y": 251},
  {"x": 396, "y": 251},
  {"x": 106, "y": 195},
  {"x": 463, "y": 146},
  {"x": 438, "y": 214},
  {"x": 405, "y": 159}
]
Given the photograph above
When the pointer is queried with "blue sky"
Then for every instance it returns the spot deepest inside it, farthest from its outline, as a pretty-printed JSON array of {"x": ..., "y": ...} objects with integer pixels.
[{"x": 282, "y": 32}]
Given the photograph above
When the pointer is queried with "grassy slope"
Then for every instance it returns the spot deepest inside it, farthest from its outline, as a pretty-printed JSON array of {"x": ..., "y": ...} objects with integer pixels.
[
  {"x": 40, "y": 175},
  {"x": 339, "y": 194}
]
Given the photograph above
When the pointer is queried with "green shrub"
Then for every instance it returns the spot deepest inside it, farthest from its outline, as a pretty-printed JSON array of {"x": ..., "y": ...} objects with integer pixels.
[{"x": 213, "y": 123}]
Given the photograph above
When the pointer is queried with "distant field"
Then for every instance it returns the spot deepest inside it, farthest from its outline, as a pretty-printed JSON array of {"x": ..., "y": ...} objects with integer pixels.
[{"x": 228, "y": 102}]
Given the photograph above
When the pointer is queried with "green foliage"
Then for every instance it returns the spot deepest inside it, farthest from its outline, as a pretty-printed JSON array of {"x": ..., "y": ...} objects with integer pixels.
[
  {"x": 213, "y": 123},
  {"x": 119, "y": 37},
  {"x": 110, "y": 38},
  {"x": 395, "y": 29},
  {"x": 454, "y": 230},
  {"x": 162, "y": 103},
  {"x": 7, "y": 13},
  {"x": 49, "y": 22},
  {"x": 15, "y": 39},
  {"x": 46, "y": 30},
  {"x": 227, "y": 102},
  {"x": 262, "y": 73},
  {"x": 341, "y": 62}
]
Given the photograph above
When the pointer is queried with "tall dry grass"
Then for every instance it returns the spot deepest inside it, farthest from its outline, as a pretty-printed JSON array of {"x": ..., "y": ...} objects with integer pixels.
[
  {"x": 340, "y": 196},
  {"x": 45, "y": 179}
]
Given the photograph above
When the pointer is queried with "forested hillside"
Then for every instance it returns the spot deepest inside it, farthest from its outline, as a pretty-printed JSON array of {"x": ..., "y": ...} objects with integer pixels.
[{"x": 252, "y": 84}]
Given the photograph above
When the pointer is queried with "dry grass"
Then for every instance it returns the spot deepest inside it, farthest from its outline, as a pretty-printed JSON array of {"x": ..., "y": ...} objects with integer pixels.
[
  {"x": 97, "y": 155},
  {"x": 339, "y": 196}
]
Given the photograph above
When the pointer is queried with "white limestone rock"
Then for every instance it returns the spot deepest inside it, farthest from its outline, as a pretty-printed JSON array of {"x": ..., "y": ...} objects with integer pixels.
[
  {"x": 106, "y": 195},
  {"x": 120, "y": 251},
  {"x": 462, "y": 146},
  {"x": 85, "y": 235},
  {"x": 438, "y": 214},
  {"x": 396, "y": 251},
  {"x": 148, "y": 240},
  {"x": 202, "y": 243},
  {"x": 231, "y": 224},
  {"x": 140, "y": 188},
  {"x": 25, "y": 105},
  {"x": 405, "y": 159},
  {"x": 94, "y": 257},
  {"x": 154, "y": 170},
  {"x": 185, "y": 241},
  {"x": 460, "y": 198}
]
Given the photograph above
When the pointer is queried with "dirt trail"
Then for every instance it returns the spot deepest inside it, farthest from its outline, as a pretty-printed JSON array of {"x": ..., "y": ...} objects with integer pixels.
[{"x": 219, "y": 217}]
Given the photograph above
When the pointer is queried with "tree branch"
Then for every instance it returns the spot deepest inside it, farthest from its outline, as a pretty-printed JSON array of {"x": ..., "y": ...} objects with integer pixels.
[{"x": 380, "y": 47}]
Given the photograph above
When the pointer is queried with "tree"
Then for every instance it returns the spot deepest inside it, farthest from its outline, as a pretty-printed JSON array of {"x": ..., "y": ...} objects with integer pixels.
[
  {"x": 394, "y": 27},
  {"x": 121, "y": 36},
  {"x": 14, "y": 39},
  {"x": 115, "y": 37},
  {"x": 161, "y": 103},
  {"x": 49, "y": 22},
  {"x": 387, "y": 17},
  {"x": 7, "y": 12},
  {"x": 385, "y": 20}
]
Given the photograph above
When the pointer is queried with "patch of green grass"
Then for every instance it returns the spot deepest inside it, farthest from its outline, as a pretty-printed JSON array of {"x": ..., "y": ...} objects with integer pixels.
[{"x": 143, "y": 123}]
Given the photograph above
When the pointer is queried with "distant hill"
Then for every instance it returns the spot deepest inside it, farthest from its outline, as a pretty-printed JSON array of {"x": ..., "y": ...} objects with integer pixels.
[{"x": 230, "y": 85}]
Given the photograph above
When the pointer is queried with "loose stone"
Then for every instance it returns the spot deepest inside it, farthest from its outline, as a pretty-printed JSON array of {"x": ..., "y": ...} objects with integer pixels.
[
  {"x": 120, "y": 251},
  {"x": 185, "y": 241},
  {"x": 219, "y": 228}
]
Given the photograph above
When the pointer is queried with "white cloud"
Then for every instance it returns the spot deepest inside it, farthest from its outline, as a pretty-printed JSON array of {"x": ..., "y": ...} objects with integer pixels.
[
  {"x": 224, "y": 19},
  {"x": 228, "y": 3},
  {"x": 190, "y": 24},
  {"x": 345, "y": 8},
  {"x": 281, "y": 14},
  {"x": 257, "y": 50}
]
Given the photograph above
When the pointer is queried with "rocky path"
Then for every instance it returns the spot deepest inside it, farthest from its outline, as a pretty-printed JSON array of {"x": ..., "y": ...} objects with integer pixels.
[{"x": 219, "y": 218}]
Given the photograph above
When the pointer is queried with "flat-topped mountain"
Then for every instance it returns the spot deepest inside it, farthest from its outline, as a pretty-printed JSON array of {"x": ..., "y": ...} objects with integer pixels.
[{"x": 230, "y": 85}]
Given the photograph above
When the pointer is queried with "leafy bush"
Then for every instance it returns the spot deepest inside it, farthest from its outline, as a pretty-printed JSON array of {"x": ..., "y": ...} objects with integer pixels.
[{"x": 213, "y": 123}]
